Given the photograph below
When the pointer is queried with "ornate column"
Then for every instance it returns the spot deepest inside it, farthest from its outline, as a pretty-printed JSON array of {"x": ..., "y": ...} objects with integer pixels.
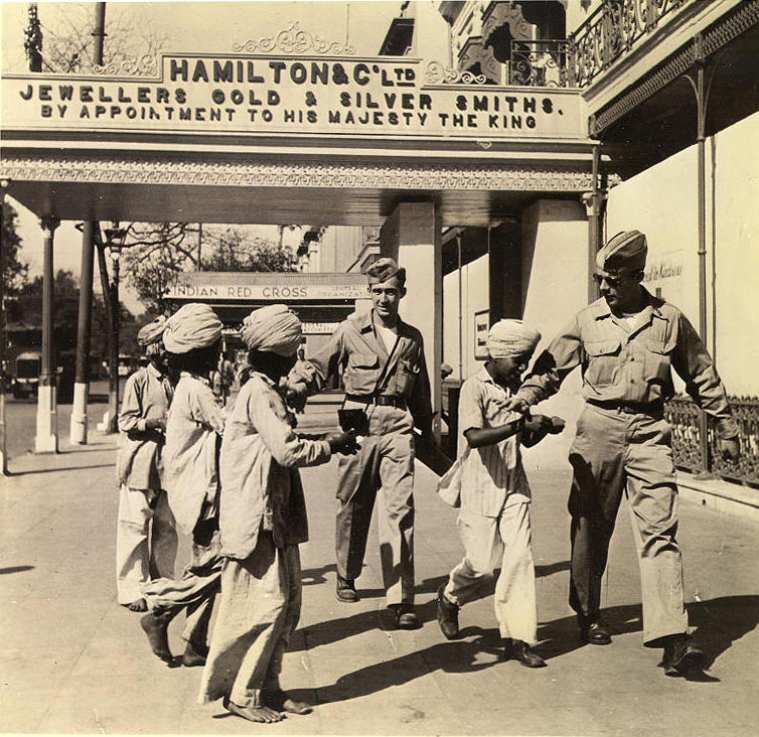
[{"x": 46, "y": 439}]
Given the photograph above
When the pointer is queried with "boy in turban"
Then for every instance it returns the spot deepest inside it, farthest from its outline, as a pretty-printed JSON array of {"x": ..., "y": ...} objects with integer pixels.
[
  {"x": 146, "y": 541},
  {"x": 263, "y": 519},
  {"x": 489, "y": 485},
  {"x": 191, "y": 477}
]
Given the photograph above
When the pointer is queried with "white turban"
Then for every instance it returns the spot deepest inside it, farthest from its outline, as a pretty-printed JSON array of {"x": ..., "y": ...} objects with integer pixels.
[
  {"x": 193, "y": 326},
  {"x": 274, "y": 329},
  {"x": 152, "y": 332},
  {"x": 509, "y": 338}
]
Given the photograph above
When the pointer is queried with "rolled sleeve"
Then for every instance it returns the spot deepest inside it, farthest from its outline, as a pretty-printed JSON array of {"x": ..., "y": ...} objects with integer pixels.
[{"x": 471, "y": 415}]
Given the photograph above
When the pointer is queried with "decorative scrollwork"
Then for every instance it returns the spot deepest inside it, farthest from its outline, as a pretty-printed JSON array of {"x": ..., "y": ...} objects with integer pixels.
[
  {"x": 294, "y": 40},
  {"x": 539, "y": 63},
  {"x": 142, "y": 66},
  {"x": 437, "y": 73}
]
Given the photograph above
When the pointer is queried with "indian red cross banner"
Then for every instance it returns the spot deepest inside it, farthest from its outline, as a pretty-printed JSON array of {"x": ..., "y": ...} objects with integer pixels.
[{"x": 266, "y": 95}]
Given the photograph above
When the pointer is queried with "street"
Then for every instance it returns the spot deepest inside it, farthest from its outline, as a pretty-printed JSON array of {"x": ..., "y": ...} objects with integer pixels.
[{"x": 72, "y": 660}]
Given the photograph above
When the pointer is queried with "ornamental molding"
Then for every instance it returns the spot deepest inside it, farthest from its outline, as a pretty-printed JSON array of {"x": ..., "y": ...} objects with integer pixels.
[
  {"x": 507, "y": 177},
  {"x": 437, "y": 73},
  {"x": 294, "y": 40},
  {"x": 142, "y": 66}
]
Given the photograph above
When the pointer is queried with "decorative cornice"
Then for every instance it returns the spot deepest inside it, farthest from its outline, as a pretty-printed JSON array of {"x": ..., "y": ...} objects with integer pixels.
[
  {"x": 294, "y": 40},
  {"x": 522, "y": 178},
  {"x": 142, "y": 66}
]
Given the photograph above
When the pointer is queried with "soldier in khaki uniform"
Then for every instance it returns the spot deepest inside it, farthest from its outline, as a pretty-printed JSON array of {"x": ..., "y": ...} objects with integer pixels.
[
  {"x": 626, "y": 343},
  {"x": 384, "y": 372}
]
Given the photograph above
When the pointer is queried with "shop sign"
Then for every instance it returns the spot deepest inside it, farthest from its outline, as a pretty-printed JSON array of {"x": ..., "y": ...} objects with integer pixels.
[
  {"x": 264, "y": 95},
  {"x": 320, "y": 328},
  {"x": 262, "y": 292}
]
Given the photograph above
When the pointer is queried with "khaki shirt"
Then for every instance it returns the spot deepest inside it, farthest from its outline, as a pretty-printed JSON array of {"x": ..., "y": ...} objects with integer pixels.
[
  {"x": 491, "y": 476},
  {"x": 147, "y": 395},
  {"x": 190, "y": 456},
  {"x": 260, "y": 484},
  {"x": 367, "y": 368},
  {"x": 631, "y": 363}
]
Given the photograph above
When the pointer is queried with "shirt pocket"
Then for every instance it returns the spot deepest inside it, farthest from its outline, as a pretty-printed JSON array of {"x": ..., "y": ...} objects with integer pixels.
[
  {"x": 406, "y": 376},
  {"x": 602, "y": 362},
  {"x": 658, "y": 360},
  {"x": 362, "y": 372}
]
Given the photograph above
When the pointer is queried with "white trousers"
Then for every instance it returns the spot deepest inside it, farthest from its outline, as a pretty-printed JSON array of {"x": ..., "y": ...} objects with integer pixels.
[
  {"x": 488, "y": 542},
  {"x": 143, "y": 550}
]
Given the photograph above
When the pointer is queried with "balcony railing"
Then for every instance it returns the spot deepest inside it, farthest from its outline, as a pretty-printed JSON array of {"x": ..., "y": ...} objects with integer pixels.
[
  {"x": 539, "y": 63},
  {"x": 611, "y": 31},
  {"x": 683, "y": 415}
]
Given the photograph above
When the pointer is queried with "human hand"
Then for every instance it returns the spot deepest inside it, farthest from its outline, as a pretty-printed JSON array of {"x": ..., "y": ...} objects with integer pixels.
[
  {"x": 296, "y": 395},
  {"x": 155, "y": 423},
  {"x": 517, "y": 404},
  {"x": 538, "y": 424},
  {"x": 730, "y": 449},
  {"x": 343, "y": 442}
]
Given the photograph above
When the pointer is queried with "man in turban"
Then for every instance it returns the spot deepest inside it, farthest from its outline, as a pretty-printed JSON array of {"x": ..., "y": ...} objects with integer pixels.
[
  {"x": 627, "y": 343},
  {"x": 489, "y": 485},
  {"x": 146, "y": 540},
  {"x": 262, "y": 521},
  {"x": 383, "y": 368},
  {"x": 191, "y": 478}
]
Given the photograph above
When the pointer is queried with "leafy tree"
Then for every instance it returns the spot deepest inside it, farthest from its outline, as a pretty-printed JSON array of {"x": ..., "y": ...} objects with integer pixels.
[{"x": 14, "y": 271}]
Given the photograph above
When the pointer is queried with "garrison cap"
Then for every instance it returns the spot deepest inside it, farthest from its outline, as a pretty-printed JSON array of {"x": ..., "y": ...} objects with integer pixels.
[
  {"x": 384, "y": 269},
  {"x": 624, "y": 252}
]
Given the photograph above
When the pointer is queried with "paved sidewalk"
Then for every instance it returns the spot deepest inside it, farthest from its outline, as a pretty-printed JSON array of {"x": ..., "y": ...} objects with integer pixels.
[{"x": 72, "y": 660}]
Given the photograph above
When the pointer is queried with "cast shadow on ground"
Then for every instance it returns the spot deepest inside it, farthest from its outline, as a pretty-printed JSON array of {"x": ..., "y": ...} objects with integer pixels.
[
  {"x": 15, "y": 569},
  {"x": 311, "y": 576},
  {"x": 62, "y": 469}
]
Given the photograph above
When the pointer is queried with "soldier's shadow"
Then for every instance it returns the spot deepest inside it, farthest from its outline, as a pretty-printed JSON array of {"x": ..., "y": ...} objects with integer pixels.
[{"x": 716, "y": 623}]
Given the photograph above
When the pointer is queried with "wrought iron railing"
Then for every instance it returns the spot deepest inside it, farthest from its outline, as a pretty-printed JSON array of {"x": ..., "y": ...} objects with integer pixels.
[
  {"x": 539, "y": 63},
  {"x": 612, "y": 30},
  {"x": 683, "y": 415}
]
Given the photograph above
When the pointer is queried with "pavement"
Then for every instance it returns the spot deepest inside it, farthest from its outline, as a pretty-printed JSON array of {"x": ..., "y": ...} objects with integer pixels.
[{"x": 73, "y": 661}]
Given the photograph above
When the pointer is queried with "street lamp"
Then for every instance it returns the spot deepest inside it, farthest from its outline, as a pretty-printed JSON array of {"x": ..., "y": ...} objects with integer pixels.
[{"x": 114, "y": 242}]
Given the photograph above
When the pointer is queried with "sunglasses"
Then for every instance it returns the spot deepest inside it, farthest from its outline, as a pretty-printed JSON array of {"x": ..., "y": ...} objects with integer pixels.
[{"x": 612, "y": 281}]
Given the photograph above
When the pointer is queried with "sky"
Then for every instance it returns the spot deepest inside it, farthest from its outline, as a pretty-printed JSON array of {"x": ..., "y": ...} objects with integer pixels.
[{"x": 212, "y": 27}]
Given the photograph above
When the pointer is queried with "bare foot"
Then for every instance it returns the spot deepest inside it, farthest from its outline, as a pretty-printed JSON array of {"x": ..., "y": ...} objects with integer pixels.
[
  {"x": 194, "y": 655},
  {"x": 156, "y": 628},
  {"x": 140, "y": 605},
  {"x": 281, "y": 701},
  {"x": 261, "y": 714}
]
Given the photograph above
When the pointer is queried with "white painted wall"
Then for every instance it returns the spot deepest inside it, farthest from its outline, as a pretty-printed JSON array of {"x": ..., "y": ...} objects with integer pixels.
[{"x": 662, "y": 202}]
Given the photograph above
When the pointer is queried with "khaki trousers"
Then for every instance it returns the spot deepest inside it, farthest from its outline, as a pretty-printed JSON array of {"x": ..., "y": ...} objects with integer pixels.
[
  {"x": 146, "y": 541},
  {"x": 259, "y": 609},
  {"x": 615, "y": 452},
  {"x": 196, "y": 590},
  {"x": 384, "y": 470},
  {"x": 505, "y": 540}
]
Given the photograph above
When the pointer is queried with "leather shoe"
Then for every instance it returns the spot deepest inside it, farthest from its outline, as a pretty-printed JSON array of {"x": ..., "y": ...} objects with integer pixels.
[
  {"x": 594, "y": 633},
  {"x": 447, "y": 615},
  {"x": 346, "y": 590},
  {"x": 682, "y": 657},
  {"x": 405, "y": 617},
  {"x": 521, "y": 651}
]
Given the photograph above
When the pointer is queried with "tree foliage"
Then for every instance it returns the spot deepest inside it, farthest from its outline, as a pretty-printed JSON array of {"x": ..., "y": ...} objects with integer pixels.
[
  {"x": 159, "y": 252},
  {"x": 14, "y": 271}
]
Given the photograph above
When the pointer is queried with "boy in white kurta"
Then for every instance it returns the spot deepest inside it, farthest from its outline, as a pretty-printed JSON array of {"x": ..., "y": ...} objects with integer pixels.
[
  {"x": 191, "y": 477},
  {"x": 146, "y": 541},
  {"x": 494, "y": 496},
  {"x": 262, "y": 521}
]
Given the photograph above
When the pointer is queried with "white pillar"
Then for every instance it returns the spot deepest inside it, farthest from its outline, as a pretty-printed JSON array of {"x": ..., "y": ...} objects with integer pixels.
[
  {"x": 412, "y": 235},
  {"x": 46, "y": 439},
  {"x": 78, "y": 422}
]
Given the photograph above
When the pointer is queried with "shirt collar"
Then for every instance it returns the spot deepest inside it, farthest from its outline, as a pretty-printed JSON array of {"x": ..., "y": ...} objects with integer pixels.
[
  {"x": 153, "y": 371},
  {"x": 197, "y": 377},
  {"x": 364, "y": 323}
]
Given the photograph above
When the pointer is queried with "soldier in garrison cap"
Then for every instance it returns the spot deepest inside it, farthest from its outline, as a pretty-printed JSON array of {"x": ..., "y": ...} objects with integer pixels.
[
  {"x": 383, "y": 368},
  {"x": 627, "y": 343}
]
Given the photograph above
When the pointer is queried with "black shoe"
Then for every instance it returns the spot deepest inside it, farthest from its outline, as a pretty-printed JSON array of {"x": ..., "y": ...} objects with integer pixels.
[
  {"x": 405, "y": 617},
  {"x": 447, "y": 615},
  {"x": 594, "y": 633},
  {"x": 521, "y": 651},
  {"x": 346, "y": 590},
  {"x": 681, "y": 657}
]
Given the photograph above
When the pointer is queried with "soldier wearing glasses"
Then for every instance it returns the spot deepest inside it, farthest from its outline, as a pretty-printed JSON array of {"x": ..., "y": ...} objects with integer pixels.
[
  {"x": 382, "y": 362},
  {"x": 626, "y": 343}
]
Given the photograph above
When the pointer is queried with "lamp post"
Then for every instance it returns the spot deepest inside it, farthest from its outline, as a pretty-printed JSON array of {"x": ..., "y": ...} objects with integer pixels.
[{"x": 114, "y": 241}]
